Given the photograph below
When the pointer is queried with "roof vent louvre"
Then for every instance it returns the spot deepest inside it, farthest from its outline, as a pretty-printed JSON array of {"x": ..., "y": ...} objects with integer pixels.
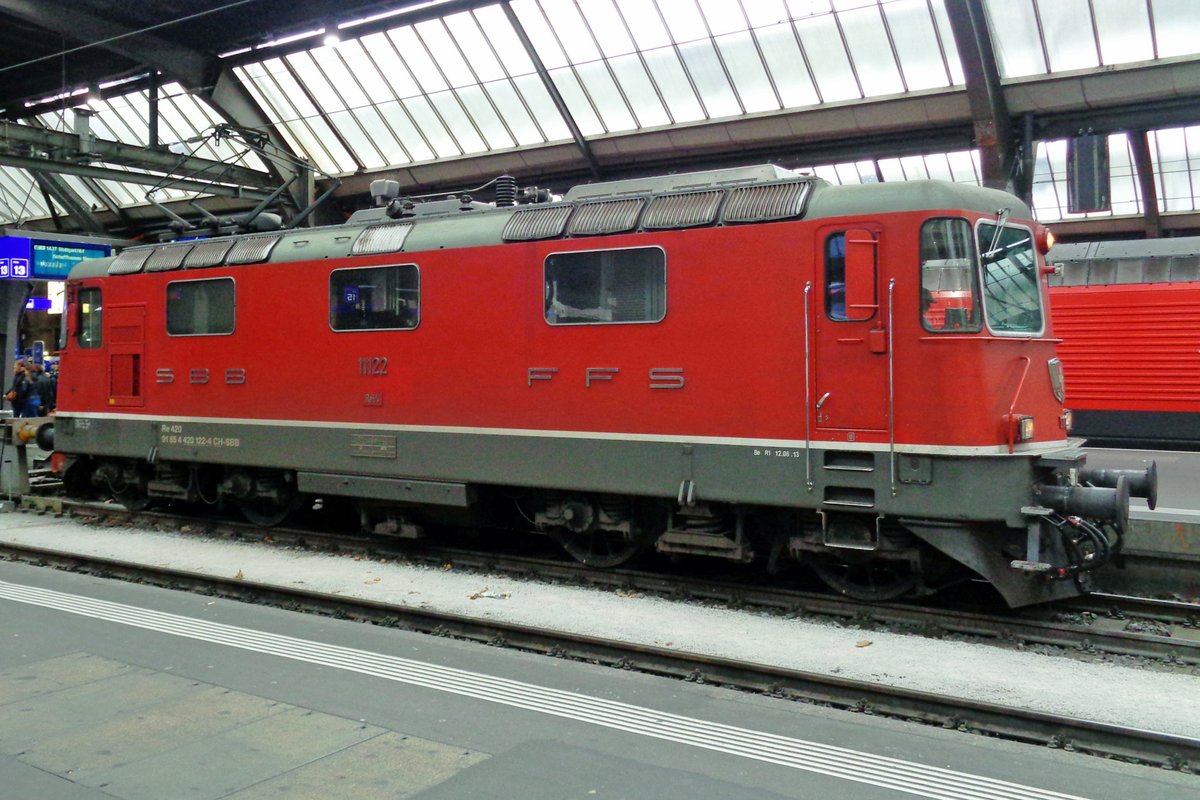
[
  {"x": 682, "y": 210},
  {"x": 606, "y": 216},
  {"x": 543, "y": 222},
  {"x": 252, "y": 250},
  {"x": 386, "y": 238},
  {"x": 764, "y": 203},
  {"x": 129, "y": 261},
  {"x": 207, "y": 254},
  {"x": 167, "y": 258}
]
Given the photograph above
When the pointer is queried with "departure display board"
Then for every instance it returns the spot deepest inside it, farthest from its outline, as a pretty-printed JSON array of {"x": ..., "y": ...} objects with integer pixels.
[{"x": 54, "y": 260}]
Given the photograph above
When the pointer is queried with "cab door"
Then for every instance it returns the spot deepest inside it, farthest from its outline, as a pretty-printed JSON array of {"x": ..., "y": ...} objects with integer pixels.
[
  {"x": 851, "y": 338},
  {"x": 126, "y": 340}
]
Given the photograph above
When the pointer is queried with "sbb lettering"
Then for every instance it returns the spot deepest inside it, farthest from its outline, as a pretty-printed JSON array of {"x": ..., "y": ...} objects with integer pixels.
[{"x": 199, "y": 376}]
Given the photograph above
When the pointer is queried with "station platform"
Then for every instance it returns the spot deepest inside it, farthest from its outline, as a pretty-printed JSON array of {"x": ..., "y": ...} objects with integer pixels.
[{"x": 118, "y": 690}]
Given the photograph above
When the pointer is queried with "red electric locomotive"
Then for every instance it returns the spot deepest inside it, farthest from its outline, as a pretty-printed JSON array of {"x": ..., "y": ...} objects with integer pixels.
[
  {"x": 1128, "y": 313},
  {"x": 742, "y": 364}
]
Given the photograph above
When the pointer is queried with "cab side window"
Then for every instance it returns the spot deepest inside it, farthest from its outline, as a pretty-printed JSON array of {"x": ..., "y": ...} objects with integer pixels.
[
  {"x": 604, "y": 287},
  {"x": 88, "y": 319},
  {"x": 375, "y": 298},
  {"x": 835, "y": 277},
  {"x": 200, "y": 308},
  {"x": 949, "y": 282}
]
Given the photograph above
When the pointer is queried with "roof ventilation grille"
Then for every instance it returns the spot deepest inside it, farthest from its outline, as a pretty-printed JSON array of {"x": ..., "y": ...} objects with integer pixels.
[
  {"x": 252, "y": 250},
  {"x": 544, "y": 222},
  {"x": 129, "y": 261},
  {"x": 682, "y": 210},
  {"x": 167, "y": 258},
  {"x": 763, "y": 203},
  {"x": 207, "y": 253},
  {"x": 606, "y": 216}
]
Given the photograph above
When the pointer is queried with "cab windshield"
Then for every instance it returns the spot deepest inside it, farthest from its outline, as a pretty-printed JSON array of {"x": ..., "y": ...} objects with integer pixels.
[{"x": 1012, "y": 297}]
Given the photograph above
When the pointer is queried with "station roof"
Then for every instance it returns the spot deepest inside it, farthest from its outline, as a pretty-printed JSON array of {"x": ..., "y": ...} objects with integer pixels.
[{"x": 446, "y": 94}]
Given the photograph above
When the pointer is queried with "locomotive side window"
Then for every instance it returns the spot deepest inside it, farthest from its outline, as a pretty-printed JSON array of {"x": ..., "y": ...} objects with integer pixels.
[
  {"x": 835, "y": 284},
  {"x": 87, "y": 322},
  {"x": 375, "y": 298},
  {"x": 200, "y": 308},
  {"x": 949, "y": 281},
  {"x": 600, "y": 287},
  {"x": 1012, "y": 293}
]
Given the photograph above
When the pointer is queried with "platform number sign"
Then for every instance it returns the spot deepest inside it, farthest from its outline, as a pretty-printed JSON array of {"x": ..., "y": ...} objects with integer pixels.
[
  {"x": 350, "y": 295},
  {"x": 14, "y": 268}
]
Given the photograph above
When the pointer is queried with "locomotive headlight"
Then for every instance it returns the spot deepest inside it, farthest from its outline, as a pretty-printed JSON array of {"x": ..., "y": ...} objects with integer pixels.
[
  {"x": 1044, "y": 238},
  {"x": 1057, "y": 383},
  {"x": 1068, "y": 420},
  {"x": 1025, "y": 429}
]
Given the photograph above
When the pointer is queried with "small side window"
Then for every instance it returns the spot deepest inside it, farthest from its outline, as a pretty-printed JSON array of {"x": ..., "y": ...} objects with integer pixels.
[
  {"x": 949, "y": 282},
  {"x": 836, "y": 307},
  {"x": 375, "y": 298},
  {"x": 87, "y": 320},
  {"x": 200, "y": 308},
  {"x": 606, "y": 286}
]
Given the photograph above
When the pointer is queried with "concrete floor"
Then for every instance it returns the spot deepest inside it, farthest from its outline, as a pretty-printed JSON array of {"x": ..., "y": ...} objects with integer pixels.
[{"x": 110, "y": 689}]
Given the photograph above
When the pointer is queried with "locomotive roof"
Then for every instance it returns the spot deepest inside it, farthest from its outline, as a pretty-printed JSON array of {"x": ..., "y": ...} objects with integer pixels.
[{"x": 729, "y": 196}]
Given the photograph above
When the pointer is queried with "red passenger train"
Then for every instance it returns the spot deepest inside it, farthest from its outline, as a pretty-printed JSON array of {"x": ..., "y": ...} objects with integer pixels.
[
  {"x": 1128, "y": 313},
  {"x": 744, "y": 364}
]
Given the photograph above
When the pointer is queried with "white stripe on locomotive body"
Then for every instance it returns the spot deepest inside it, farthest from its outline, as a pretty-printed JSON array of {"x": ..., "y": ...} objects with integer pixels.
[{"x": 1020, "y": 449}]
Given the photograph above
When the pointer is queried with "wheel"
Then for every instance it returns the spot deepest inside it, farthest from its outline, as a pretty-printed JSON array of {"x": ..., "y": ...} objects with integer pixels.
[
  {"x": 133, "y": 498},
  {"x": 600, "y": 548},
  {"x": 866, "y": 578},
  {"x": 267, "y": 512}
]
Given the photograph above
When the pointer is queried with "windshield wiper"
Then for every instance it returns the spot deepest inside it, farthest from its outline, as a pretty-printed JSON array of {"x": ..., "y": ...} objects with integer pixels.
[{"x": 1001, "y": 218}]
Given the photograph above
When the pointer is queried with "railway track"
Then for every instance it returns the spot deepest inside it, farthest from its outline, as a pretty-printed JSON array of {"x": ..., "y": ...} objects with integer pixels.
[
  {"x": 1024, "y": 725},
  {"x": 1163, "y": 632}
]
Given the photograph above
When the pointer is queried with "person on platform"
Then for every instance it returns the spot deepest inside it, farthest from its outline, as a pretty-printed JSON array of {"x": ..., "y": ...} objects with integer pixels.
[{"x": 18, "y": 392}]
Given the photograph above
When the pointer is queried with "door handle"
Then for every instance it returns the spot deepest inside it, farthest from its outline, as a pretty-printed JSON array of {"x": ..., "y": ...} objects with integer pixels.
[{"x": 821, "y": 402}]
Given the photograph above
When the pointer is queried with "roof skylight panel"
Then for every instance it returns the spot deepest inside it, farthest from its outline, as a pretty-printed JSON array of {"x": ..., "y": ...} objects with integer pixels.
[
  {"x": 741, "y": 57},
  {"x": 871, "y": 54},
  {"x": 433, "y": 130},
  {"x": 827, "y": 56},
  {"x": 1176, "y": 27},
  {"x": 684, "y": 21},
  {"x": 922, "y": 54},
  {"x": 578, "y": 104},
  {"x": 397, "y": 78},
  {"x": 676, "y": 88},
  {"x": 473, "y": 44},
  {"x": 542, "y": 35},
  {"x": 410, "y": 143},
  {"x": 570, "y": 30},
  {"x": 314, "y": 84},
  {"x": 639, "y": 90},
  {"x": 786, "y": 65},
  {"x": 964, "y": 166},
  {"x": 418, "y": 60},
  {"x": 1067, "y": 25},
  {"x": 479, "y": 106},
  {"x": 1123, "y": 30},
  {"x": 1169, "y": 153},
  {"x": 606, "y": 98},
  {"x": 708, "y": 76},
  {"x": 544, "y": 113},
  {"x": 610, "y": 28}
]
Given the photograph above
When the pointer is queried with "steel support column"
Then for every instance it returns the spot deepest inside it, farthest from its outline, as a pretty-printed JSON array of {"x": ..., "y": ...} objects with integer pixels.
[
  {"x": 75, "y": 206},
  {"x": 555, "y": 95},
  {"x": 993, "y": 128},
  {"x": 1139, "y": 142}
]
